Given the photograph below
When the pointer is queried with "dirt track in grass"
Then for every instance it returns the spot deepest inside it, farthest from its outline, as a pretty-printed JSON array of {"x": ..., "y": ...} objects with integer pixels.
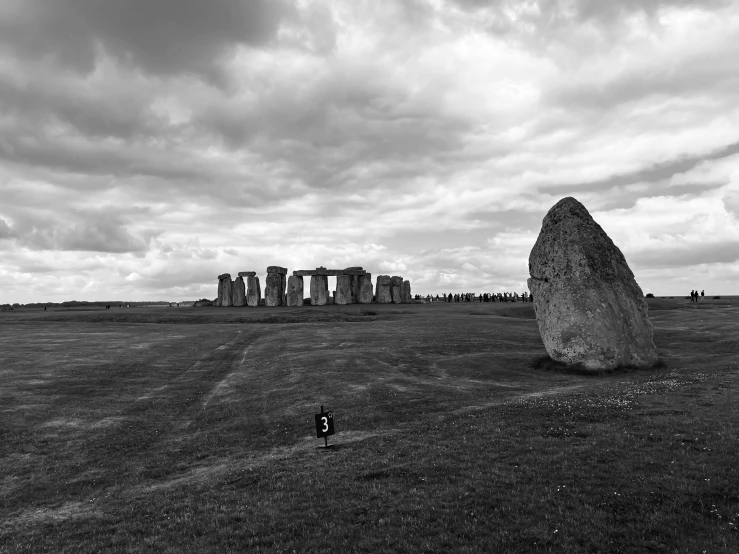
[{"x": 101, "y": 408}]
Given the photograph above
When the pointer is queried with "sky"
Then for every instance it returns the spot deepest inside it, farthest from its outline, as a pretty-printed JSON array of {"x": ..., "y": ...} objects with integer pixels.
[{"x": 148, "y": 146}]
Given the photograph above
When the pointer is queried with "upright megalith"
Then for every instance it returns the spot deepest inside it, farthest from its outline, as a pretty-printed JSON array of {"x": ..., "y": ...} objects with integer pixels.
[
  {"x": 225, "y": 295},
  {"x": 588, "y": 305},
  {"x": 238, "y": 292},
  {"x": 382, "y": 289},
  {"x": 405, "y": 292},
  {"x": 294, "y": 290},
  {"x": 253, "y": 290},
  {"x": 395, "y": 284},
  {"x": 355, "y": 275},
  {"x": 354, "y": 284},
  {"x": 364, "y": 287},
  {"x": 344, "y": 294},
  {"x": 274, "y": 290},
  {"x": 318, "y": 290},
  {"x": 219, "y": 294}
]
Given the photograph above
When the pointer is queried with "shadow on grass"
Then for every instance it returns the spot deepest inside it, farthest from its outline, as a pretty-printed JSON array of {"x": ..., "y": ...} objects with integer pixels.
[{"x": 546, "y": 363}]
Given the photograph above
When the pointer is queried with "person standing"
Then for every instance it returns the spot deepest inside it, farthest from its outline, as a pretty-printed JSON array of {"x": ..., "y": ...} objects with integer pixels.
[
  {"x": 703, "y": 294},
  {"x": 692, "y": 297}
]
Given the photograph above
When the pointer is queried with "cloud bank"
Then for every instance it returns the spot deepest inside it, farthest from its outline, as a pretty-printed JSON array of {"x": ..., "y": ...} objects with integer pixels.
[{"x": 147, "y": 147}]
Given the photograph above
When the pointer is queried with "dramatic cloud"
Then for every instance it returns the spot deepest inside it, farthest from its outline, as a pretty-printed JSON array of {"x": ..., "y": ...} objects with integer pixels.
[
  {"x": 146, "y": 147},
  {"x": 159, "y": 37}
]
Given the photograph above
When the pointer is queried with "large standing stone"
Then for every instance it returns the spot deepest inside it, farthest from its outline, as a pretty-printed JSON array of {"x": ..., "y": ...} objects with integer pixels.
[
  {"x": 405, "y": 292},
  {"x": 253, "y": 291},
  {"x": 318, "y": 290},
  {"x": 382, "y": 289},
  {"x": 220, "y": 292},
  {"x": 226, "y": 290},
  {"x": 354, "y": 283},
  {"x": 344, "y": 293},
  {"x": 294, "y": 291},
  {"x": 364, "y": 294},
  {"x": 589, "y": 307},
  {"x": 395, "y": 284},
  {"x": 238, "y": 292},
  {"x": 274, "y": 290},
  {"x": 223, "y": 281}
]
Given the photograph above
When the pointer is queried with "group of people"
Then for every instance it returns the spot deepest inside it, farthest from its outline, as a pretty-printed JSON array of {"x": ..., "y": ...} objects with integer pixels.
[
  {"x": 694, "y": 295},
  {"x": 482, "y": 297}
]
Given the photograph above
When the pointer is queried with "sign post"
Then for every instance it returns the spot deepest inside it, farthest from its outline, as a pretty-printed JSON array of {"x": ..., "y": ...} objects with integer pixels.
[{"x": 324, "y": 425}]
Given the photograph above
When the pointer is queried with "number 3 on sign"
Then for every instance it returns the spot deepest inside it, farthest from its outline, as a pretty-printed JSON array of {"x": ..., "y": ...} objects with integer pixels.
[{"x": 324, "y": 424}]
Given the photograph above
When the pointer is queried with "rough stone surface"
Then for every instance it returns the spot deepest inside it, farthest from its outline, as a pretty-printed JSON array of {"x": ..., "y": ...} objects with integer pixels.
[
  {"x": 224, "y": 276},
  {"x": 253, "y": 291},
  {"x": 277, "y": 269},
  {"x": 318, "y": 290},
  {"x": 319, "y": 271},
  {"x": 355, "y": 285},
  {"x": 364, "y": 294},
  {"x": 247, "y": 273},
  {"x": 294, "y": 291},
  {"x": 238, "y": 292},
  {"x": 395, "y": 284},
  {"x": 588, "y": 305},
  {"x": 382, "y": 289},
  {"x": 217, "y": 301},
  {"x": 344, "y": 294},
  {"x": 224, "y": 289},
  {"x": 274, "y": 291},
  {"x": 405, "y": 292}
]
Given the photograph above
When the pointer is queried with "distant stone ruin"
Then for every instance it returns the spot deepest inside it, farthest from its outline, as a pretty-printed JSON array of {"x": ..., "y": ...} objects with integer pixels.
[
  {"x": 253, "y": 290},
  {"x": 392, "y": 290},
  {"x": 353, "y": 286},
  {"x": 225, "y": 295},
  {"x": 238, "y": 290},
  {"x": 294, "y": 290},
  {"x": 274, "y": 291}
]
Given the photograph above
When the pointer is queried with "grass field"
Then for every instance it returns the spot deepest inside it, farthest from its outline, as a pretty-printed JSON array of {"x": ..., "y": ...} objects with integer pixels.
[{"x": 191, "y": 430}]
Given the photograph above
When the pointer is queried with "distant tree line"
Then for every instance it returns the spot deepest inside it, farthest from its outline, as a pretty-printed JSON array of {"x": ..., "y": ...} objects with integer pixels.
[{"x": 78, "y": 304}]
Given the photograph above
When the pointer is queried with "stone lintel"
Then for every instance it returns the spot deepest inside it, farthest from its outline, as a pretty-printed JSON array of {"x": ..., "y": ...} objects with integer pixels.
[
  {"x": 224, "y": 276},
  {"x": 277, "y": 269},
  {"x": 357, "y": 267},
  {"x": 247, "y": 273},
  {"x": 328, "y": 272}
]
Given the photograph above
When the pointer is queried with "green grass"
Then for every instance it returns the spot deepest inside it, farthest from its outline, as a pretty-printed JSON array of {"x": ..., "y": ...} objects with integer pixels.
[
  {"x": 546, "y": 363},
  {"x": 193, "y": 431}
]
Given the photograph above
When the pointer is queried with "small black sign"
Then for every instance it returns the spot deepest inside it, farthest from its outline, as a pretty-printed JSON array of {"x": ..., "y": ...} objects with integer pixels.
[{"x": 324, "y": 424}]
